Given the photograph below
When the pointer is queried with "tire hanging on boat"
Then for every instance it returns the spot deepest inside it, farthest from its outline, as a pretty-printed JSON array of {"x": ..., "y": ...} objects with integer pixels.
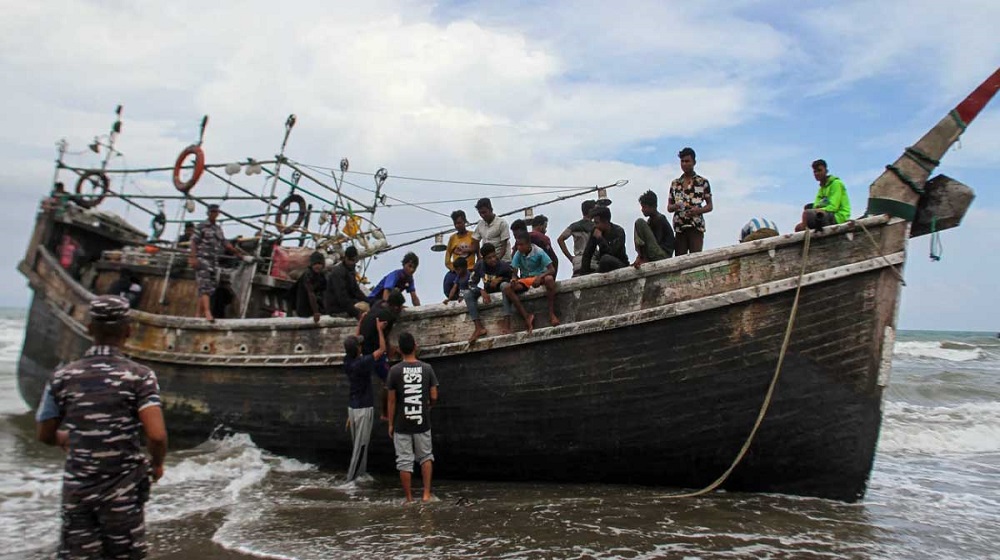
[
  {"x": 285, "y": 208},
  {"x": 199, "y": 168},
  {"x": 96, "y": 178}
]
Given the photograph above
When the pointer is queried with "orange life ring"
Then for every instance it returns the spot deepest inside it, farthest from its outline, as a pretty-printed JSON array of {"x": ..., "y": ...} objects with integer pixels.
[
  {"x": 199, "y": 168},
  {"x": 102, "y": 183}
]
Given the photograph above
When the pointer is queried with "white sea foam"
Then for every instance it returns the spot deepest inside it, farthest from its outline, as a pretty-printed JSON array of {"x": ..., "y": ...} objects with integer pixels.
[
  {"x": 211, "y": 476},
  {"x": 11, "y": 339},
  {"x": 963, "y": 428},
  {"x": 938, "y": 350}
]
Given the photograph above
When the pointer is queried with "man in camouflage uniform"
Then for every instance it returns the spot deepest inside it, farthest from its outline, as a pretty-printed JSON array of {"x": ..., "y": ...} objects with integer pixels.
[
  {"x": 207, "y": 245},
  {"x": 100, "y": 401}
]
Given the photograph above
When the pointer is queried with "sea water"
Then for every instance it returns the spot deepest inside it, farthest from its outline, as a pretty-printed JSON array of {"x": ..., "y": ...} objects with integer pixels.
[{"x": 934, "y": 491}]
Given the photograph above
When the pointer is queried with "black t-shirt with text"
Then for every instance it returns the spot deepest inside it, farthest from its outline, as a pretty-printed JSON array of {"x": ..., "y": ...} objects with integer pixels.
[{"x": 412, "y": 382}]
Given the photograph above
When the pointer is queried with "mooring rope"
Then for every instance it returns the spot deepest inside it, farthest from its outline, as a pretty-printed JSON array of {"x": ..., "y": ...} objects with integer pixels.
[
  {"x": 770, "y": 390},
  {"x": 892, "y": 267}
]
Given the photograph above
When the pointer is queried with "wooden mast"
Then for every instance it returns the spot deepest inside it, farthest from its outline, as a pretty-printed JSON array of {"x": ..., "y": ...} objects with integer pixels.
[{"x": 897, "y": 191}]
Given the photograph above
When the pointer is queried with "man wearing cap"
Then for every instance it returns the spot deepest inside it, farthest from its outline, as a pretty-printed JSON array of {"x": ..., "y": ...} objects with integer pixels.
[
  {"x": 100, "y": 401},
  {"x": 207, "y": 244}
]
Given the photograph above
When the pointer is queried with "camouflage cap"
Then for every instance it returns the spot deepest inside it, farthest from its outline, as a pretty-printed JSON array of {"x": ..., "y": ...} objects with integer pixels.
[{"x": 109, "y": 309}]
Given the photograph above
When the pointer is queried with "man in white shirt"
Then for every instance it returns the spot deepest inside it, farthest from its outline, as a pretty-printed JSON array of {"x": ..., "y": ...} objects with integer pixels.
[{"x": 491, "y": 229}]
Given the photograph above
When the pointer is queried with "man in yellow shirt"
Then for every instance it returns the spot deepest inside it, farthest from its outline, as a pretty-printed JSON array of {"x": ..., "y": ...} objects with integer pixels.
[{"x": 460, "y": 243}]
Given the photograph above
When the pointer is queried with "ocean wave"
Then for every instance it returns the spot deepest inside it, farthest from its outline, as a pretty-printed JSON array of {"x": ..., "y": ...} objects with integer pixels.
[
  {"x": 964, "y": 428},
  {"x": 939, "y": 350},
  {"x": 11, "y": 339}
]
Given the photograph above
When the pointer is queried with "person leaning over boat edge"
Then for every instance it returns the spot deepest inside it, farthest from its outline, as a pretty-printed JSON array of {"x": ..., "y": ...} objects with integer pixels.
[
  {"x": 495, "y": 275},
  {"x": 207, "y": 244},
  {"x": 690, "y": 199},
  {"x": 400, "y": 279},
  {"x": 533, "y": 268},
  {"x": 101, "y": 400},
  {"x": 361, "y": 403},
  {"x": 491, "y": 229},
  {"x": 413, "y": 391},
  {"x": 388, "y": 311},
  {"x": 606, "y": 244},
  {"x": 460, "y": 243},
  {"x": 832, "y": 205},
  {"x": 580, "y": 232},
  {"x": 654, "y": 238},
  {"x": 343, "y": 294}
]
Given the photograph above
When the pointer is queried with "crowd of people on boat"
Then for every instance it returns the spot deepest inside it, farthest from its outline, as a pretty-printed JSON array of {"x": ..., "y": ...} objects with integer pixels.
[{"x": 501, "y": 260}]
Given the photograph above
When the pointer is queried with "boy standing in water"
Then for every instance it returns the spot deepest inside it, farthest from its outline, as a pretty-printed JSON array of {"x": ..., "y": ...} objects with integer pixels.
[
  {"x": 361, "y": 406},
  {"x": 413, "y": 390}
]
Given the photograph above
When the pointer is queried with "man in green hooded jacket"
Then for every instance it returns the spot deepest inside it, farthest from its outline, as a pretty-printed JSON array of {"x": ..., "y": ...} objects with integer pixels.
[{"x": 832, "y": 205}]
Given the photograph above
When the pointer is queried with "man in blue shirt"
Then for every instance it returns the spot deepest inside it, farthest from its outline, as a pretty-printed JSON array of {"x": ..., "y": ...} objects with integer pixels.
[
  {"x": 361, "y": 406},
  {"x": 401, "y": 279},
  {"x": 534, "y": 268}
]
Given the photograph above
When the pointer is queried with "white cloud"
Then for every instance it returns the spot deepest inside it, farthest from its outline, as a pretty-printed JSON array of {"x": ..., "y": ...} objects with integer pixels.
[{"x": 547, "y": 93}]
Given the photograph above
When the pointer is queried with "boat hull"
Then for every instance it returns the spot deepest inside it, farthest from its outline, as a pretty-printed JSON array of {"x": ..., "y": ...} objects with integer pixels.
[{"x": 667, "y": 401}]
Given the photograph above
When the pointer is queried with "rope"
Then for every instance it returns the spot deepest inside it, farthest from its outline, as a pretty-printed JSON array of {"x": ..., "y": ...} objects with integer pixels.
[
  {"x": 899, "y": 276},
  {"x": 450, "y": 181},
  {"x": 936, "y": 247},
  {"x": 770, "y": 389},
  {"x": 926, "y": 162},
  {"x": 495, "y": 197},
  {"x": 958, "y": 120},
  {"x": 905, "y": 179}
]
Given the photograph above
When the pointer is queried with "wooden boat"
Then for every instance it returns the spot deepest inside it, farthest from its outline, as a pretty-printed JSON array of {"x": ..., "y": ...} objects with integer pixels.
[{"x": 656, "y": 375}]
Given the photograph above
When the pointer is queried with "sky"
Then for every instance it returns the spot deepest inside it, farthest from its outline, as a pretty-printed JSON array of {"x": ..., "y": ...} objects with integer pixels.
[{"x": 535, "y": 93}]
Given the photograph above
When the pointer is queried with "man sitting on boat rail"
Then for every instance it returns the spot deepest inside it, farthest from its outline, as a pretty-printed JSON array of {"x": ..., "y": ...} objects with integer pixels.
[
  {"x": 534, "y": 269},
  {"x": 400, "y": 279},
  {"x": 495, "y": 275},
  {"x": 606, "y": 244},
  {"x": 460, "y": 243},
  {"x": 207, "y": 245},
  {"x": 580, "y": 232},
  {"x": 654, "y": 238},
  {"x": 343, "y": 294},
  {"x": 832, "y": 205},
  {"x": 309, "y": 288}
]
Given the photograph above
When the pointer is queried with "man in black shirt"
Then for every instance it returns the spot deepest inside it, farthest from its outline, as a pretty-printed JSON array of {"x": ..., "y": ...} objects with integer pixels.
[
  {"x": 310, "y": 287},
  {"x": 343, "y": 295},
  {"x": 607, "y": 241},
  {"x": 413, "y": 390},
  {"x": 654, "y": 239}
]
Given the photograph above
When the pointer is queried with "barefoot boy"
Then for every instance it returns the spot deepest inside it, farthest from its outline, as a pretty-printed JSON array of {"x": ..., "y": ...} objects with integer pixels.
[
  {"x": 413, "y": 390},
  {"x": 534, "y": 268}
]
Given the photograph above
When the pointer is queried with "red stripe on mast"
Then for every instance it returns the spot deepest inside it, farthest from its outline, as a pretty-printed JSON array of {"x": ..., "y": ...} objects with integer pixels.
[{"x": 978, "y": 99}]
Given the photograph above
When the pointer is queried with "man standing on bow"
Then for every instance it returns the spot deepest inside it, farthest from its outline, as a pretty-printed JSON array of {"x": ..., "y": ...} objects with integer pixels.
[
  {"x": 690, "y": 199},
  {"x": 207, "y": 245},
  {"x": 100, "y": 402}
]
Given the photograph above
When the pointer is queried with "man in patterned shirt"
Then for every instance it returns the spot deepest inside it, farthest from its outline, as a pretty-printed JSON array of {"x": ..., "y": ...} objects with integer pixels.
[
  {"x": 100, "y": 401},
  {"x": 207, "y": 245},
  {"x": 690, "y": 199}
]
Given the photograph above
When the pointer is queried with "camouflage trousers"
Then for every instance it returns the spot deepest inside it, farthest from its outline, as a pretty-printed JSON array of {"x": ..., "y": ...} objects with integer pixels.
[
  {"x": 206, "y": 274},
  {"x": 105, "y": 527}
]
